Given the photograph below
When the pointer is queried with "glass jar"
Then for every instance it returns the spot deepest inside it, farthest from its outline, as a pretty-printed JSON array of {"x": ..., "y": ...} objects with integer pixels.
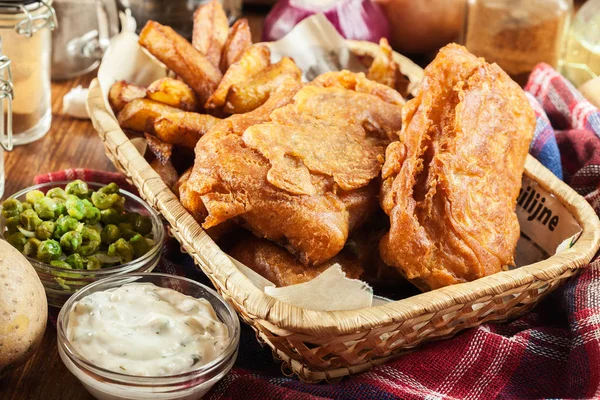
[
  {"x": 25, "y": 30},
  {"x": 582, "y": 58},
  {"x": 82, "y": 35},
  {"x": 517, "y": 34},
  {"x": 6, "y": 95}
]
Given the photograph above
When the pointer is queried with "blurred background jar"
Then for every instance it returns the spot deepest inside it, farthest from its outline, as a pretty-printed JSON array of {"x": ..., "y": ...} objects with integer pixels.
[
  {"x": 25, "y": 28},
  {"x": 83, "y": 34},
  {"x": 423, "y": 26},
  {"x": 518, "y": 34},
  {"x": 6, "y": 95},
  {"x": 174, "y": 13},
  {"x": 582, "y": 56}
]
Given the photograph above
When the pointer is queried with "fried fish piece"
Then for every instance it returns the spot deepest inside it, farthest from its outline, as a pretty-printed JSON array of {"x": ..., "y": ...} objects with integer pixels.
[
  {"x": 239, "y": 40},
  {"x": 384, "y": 69},
  {"x": 288, "y": 142},
  {"x": 378, "y": 117},
  {"x": 211, "y": 29},
  {"x": 182, "y": 58},
  {"x": 281, "y": 268},
  {"x": 254, "y": 60},
  {"x": 184, "y": 128},
  {"x": 451, "y": 182},
  {"x": 174, "y": 93},
  {"x": 360, "y": 84},
  {"x": 291, "y": 177},
  {"x": 252, "y": 93},
  {"x": 122, "y": 93}
]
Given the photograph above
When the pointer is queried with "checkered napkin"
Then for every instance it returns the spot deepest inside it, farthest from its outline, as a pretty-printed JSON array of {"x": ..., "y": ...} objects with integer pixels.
[{"x": 552, "y": 352}]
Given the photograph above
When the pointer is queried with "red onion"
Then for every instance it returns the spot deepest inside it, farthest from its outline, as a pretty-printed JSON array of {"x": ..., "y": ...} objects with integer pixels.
[{"x": 354, "y": 19}]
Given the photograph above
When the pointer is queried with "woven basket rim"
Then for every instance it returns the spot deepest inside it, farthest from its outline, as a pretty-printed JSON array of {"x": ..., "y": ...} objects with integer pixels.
[{"x": 284, "y": 318}]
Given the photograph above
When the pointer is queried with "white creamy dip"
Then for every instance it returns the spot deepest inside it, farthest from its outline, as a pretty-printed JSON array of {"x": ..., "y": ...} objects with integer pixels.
[{"x": 145, "y": 330}]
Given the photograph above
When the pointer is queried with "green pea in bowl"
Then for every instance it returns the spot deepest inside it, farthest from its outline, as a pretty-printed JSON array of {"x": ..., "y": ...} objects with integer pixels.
[{"x": 76, "y": 233}]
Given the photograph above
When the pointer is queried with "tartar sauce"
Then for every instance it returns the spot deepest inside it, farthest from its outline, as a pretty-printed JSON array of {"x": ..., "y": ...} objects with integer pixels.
[{"x": 145, "y": 330}]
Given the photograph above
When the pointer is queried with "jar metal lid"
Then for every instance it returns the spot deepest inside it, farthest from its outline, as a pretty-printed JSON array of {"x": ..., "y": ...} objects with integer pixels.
[{"x": 27, "y": 16}]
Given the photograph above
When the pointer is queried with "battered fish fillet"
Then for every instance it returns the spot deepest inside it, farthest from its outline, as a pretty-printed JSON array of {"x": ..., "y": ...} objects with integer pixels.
[
  {"x": 281, "y": 268},
  {"x": 299, "y": 174},
  {"x": 450, "y": 184}
]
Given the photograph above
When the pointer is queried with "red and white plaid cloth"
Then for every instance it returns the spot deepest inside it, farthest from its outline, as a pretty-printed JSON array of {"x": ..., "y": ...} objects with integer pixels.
[{"x": 552, "y": 352}]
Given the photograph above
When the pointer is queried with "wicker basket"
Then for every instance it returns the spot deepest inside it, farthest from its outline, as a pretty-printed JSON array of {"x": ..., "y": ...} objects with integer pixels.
[{"x": 329, "y": 345}]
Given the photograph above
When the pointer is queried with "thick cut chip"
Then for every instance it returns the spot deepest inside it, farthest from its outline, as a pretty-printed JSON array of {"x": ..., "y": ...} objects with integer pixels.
[
  {"x": 211, "y": 29},
  {"x": 184, "y": 128},
  {"x": 122, "y": 93},
  {"x": 182, "y": 58},
  {"x": 161, "y": 150},
  {"x": 174, "y": 93},
  {"x": 239, "y": 40},
  {"x": 139, "y": 115},
  {"x": 254, "y": 60},
  {"x": 167, "y": 172},
  {"x": 384, "y": 69},
  {"x": 252, "y": 93},
  {"x": 451, "y": 182}
]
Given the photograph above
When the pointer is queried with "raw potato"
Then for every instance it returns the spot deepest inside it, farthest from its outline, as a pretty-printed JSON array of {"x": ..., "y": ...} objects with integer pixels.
[
  {"x": 121, "y": 93},
  {"x": 251, "y": 94},
  {"x": 174, "y": 93},
  {"x": 183, "y": 129},
  {"x": 139, "y": 115},
  {"x": 23, "y": 308},
  {"x": 182, "y": 58}
]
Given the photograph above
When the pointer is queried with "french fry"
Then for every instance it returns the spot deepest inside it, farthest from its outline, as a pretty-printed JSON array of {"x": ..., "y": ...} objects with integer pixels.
[
  {"x": 182, "y": 58},
  {"x": 166, "y": 171},
  {"x": 163, "y": 151},
  {"x": 254, "y": 60},
  {"x": 384, "y": 69},
  {"x": 239, "y": 40},
  {"x": 139, "y": 114},
  {"x": 211, "y": 29},
  {"x": 252, "y": 93},
  {"x": 183, "y": 129},
  {"x": 174, "y": 93},
  {"x": 122, "y": 92}
]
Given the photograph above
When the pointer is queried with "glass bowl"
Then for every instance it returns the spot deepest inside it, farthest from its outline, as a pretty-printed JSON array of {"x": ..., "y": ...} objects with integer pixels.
[
  {"x": 104, "y": 384},
  {"x": 52, "y": 278}
]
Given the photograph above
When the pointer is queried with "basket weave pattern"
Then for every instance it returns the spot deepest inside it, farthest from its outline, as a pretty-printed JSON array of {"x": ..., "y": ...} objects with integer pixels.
[{"x": 320, "y": 346}]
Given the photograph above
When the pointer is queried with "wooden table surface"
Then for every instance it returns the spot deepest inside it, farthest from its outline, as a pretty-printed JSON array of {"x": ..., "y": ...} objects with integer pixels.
[{"x": 71, "y": 143}]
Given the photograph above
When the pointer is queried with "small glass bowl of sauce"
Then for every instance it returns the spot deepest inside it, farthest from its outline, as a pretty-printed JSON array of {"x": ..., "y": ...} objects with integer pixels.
[{"x": 187, "y": 337}]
